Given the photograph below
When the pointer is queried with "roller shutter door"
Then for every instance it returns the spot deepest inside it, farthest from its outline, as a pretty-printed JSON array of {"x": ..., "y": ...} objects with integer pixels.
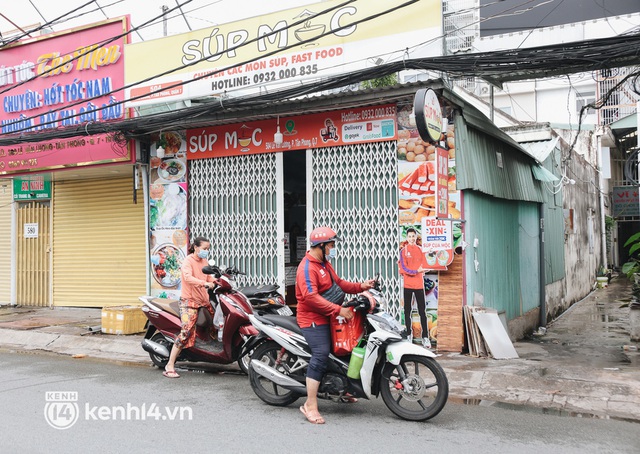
[
  {"x": 99, "y": 246},
  {"x": 5, "y": 240}
]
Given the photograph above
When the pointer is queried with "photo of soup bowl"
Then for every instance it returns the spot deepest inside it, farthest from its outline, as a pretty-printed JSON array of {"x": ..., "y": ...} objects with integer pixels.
[
  {"x": 431, "y": 258},
  {"x": 443, "y": 258}
]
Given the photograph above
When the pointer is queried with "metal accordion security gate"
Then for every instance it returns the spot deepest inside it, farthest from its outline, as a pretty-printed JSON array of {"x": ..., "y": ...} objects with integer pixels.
[
  {"x": 354, "y": 190},
  {"x": 233, "y": 202}
]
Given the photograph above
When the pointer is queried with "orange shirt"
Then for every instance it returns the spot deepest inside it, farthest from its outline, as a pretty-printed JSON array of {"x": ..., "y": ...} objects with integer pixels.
[
  {"x": 412, "y": 258},
  {"x": 193, "y": 280}
]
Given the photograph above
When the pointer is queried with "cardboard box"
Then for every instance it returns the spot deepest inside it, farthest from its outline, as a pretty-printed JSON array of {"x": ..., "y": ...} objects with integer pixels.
[{"x": 123, "y": 320}]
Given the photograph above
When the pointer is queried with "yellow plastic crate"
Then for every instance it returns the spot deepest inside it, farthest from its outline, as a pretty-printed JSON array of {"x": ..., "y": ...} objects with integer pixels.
[{"x": 123, "y": 320}]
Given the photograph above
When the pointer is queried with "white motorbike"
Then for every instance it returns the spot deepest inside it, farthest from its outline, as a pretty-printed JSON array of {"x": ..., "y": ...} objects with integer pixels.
[{"x": 411, "y": 382}]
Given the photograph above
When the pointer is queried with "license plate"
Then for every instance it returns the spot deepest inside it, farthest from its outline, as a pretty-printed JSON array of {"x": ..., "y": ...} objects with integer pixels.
[{"x": 285, "y": 311}]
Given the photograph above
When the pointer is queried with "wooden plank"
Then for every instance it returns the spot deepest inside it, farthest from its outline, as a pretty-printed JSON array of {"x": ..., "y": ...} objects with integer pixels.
[{"x": 450, "y": 334}]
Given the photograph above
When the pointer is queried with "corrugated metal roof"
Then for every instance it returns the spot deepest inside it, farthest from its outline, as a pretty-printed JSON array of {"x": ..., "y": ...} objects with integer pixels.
[
  {"x": 540, "y": 150},
  {"x": 492, "y": 163}
]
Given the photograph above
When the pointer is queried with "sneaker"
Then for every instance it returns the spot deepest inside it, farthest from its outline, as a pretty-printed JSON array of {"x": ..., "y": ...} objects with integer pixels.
[{"x": 426, "y": 343}]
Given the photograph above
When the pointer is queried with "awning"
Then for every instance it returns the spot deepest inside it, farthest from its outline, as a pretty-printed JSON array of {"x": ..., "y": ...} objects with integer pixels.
[{"x": 542, "y": 174}]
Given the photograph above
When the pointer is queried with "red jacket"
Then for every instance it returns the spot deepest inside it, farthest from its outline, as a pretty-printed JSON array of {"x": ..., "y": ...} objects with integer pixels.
[
  {"x": 412, "y": 258},
  {"x": 313, "y": 278}
]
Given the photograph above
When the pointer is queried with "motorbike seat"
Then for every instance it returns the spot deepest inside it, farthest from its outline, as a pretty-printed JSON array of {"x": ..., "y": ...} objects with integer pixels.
[
  {"x": 259, "y": 290},
  {"x": 167, "y": 305},
  {"x": 286, "y": 321}
]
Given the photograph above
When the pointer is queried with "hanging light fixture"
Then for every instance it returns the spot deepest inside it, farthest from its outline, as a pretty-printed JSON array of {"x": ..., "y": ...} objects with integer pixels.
[
  {"x": 277, "y": 137},
  {"x": 160, "y": 152}
]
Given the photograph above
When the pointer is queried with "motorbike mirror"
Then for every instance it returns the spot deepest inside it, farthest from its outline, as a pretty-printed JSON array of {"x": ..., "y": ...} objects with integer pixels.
[{"x": 376, "y": 282}]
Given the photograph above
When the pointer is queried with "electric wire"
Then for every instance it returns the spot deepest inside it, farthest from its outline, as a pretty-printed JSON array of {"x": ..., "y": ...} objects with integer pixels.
[
  {"x": 46, "y": 24},
  {"x": 410, "y": 64},
  {"x": 80, "y": 55}
]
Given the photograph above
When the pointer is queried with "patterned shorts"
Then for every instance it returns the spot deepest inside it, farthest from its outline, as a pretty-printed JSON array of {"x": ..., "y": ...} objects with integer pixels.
[{"x": 189, "y": 317}]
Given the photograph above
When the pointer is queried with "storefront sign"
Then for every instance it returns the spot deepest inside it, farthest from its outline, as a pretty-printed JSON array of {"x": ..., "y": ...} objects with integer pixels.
[
  {"x": 368, "y": 124},
  {"x": 34, "y": 187},
  {"x": 626, "y": 201},
  {"x": 83, "y": 151},
  {"x": 282, "y": 48},
  {"x": 59, "y": 81},
  {"x": 442, "y": 183},
  {"x": 428, "y": 114},
  {"x": 437, "y": 242}
]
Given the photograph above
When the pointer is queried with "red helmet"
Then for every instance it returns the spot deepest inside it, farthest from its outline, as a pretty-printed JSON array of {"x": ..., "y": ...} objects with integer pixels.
[{"x": 322, "y": 235}]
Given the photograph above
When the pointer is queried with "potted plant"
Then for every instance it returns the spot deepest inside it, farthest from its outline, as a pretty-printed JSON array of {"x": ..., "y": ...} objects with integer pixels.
[{"x": 602, "y": 279}]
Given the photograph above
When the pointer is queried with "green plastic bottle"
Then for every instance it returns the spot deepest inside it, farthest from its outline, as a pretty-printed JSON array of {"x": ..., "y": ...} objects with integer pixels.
[{"x": 355, "y": 363}]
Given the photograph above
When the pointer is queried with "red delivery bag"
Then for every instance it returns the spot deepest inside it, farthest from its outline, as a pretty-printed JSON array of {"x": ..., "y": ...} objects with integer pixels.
[{"x": 345, "y": 334}]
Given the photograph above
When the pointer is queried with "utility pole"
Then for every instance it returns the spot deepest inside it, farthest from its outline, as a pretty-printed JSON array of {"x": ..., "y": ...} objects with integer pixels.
[{"x": 165, "y": 8}]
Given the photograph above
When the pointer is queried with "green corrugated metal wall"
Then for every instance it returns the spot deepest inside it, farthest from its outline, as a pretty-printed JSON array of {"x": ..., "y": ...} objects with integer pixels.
[
  {"x": 507, "y": 253},
  {"x": 477, "y": 166},
  {"x": 553, "y": 224}
]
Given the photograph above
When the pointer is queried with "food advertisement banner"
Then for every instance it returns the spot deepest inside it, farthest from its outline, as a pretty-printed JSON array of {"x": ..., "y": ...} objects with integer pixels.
[
  {"x": 168, "y": 213},
  {"x": 428, "y": 204},
  {"x": 282, "y": 49},
  {"x": 342, "y": 127},
  {"x": 60, "y": 80}
]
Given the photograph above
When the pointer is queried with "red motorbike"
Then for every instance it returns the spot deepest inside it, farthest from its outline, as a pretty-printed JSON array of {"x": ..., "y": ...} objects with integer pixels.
[{"x": 229, "y": 339}]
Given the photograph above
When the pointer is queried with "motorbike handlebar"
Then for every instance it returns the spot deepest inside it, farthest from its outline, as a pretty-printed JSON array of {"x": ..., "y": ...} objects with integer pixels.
[{"x": 217, "y": 271}]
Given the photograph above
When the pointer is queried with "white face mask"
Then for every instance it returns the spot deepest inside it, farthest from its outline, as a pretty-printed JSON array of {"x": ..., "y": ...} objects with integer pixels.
[
  {"x": 333, "y": 253},
  {"x": 203, "y": 254}
]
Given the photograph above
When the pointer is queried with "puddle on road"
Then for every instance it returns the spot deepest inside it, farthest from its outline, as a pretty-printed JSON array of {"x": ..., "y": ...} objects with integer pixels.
[{"x": 535, "y": 410}]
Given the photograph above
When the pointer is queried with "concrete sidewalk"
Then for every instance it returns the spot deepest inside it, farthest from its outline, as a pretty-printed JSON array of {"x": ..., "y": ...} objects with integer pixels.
[{"x": 584, "y": 364}]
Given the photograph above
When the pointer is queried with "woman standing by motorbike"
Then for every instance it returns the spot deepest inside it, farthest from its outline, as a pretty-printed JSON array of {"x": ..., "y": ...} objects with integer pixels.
[
  {"x": 194, "y": 296},
  {"x": 320, "y": 293}
]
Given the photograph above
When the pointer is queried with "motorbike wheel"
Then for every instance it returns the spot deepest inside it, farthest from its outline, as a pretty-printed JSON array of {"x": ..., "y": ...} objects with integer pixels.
[
  {"x": 160, "y": 361},
  {"x": 264, "y": 388},
  {"x": 416, "y": 389}
]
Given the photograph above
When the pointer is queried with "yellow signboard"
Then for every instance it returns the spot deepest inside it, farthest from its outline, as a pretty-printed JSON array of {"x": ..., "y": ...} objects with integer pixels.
[{"x": 281, "y": 48}]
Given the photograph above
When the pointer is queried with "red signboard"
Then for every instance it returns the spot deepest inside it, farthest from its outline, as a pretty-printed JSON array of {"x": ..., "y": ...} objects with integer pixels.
[
  {"x": 344, "y": 127},
  {"x": 29, "y": 157},
  {"x": 442, "y": 183},
  {"x": 57, "y": 81}
]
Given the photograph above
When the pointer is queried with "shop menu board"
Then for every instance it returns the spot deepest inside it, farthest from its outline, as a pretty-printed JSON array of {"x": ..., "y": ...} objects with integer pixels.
[
  {"x": 421, "y": 197},
  {"x": 168, "y": 214}
]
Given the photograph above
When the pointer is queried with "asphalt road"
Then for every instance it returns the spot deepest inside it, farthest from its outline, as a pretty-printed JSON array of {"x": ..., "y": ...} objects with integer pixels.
[{"x": 129, "y": 408}]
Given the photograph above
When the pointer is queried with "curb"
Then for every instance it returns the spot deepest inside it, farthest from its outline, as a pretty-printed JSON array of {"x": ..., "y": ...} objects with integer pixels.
[{"x": 472, "y": 381}]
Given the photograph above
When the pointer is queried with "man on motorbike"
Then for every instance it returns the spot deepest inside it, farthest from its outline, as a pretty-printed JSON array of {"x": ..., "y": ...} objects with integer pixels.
[
  {"x": 320, "y": 293},
  {"x": 193, "y": 297}
]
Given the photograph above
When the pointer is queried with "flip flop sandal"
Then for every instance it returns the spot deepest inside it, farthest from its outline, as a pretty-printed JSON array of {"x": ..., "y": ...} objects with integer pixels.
[
  {"x": 317, "y": 420},
  {"x": 348, "y": 399},
  {"x": 171, "y": 374}
]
